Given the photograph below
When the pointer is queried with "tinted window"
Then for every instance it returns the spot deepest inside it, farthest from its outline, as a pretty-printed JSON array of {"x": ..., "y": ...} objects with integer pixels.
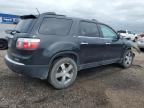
[
  {"x": 88, "y": 29},
  {"x": 129, "y": 32},
  {"x": 23, "y": 25},
  {"x": 55, "y": 26},
  {"x": 121, "y": 31},
  {"x": 108, "y": 32}
]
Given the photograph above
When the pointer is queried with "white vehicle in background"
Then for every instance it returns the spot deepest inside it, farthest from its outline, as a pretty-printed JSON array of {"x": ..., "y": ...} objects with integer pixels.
[
  {"x": 128, "y": 35},
  {"x": 140, "y": 41}
]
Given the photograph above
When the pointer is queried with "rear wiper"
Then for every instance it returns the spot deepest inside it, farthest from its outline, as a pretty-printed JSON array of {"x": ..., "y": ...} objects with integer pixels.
[{"x": 12, "y": 32}]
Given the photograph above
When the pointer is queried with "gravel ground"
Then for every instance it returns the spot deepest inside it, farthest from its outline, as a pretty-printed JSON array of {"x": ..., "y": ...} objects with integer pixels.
[{"x": 103, "y": 87}]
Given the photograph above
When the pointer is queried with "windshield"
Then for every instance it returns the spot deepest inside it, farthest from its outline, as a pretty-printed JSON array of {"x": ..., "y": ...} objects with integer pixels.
[{"x": 24, "y": 25}]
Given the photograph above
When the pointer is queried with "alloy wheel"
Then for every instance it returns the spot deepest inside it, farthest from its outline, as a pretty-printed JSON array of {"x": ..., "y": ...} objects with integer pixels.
[
  {"x": 128, "y": 59},
  {"x": 64, "y": 73}
]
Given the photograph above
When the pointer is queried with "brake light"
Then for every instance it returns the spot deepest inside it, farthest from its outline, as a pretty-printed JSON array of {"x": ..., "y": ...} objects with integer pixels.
[{"x": 27, "y": 43}]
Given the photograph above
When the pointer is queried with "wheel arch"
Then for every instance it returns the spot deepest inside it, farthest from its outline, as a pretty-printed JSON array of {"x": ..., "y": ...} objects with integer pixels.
[
  {"x": 127, "y": 47},
  {"x": 63, "y": 54}
]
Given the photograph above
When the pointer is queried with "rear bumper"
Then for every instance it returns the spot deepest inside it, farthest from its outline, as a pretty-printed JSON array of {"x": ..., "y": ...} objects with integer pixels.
[{"x": 35, "y": 71}]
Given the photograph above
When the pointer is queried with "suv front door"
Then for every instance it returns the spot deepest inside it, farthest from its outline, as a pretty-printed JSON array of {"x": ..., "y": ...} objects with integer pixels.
[{"x": 113, "y": 45}]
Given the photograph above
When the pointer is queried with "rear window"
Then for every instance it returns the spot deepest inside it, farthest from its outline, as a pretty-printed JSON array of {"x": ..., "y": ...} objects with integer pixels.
[
  {"x": 55, "y": 26},
  {"x": 24, "y": 25}
]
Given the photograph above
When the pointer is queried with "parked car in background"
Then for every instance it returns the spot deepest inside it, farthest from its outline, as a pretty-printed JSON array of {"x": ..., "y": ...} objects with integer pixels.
[
  {"x": 55, "y": 47},
  {"x": 141, "y": 41},
  {"x": 128, "y": 35},
  {"x": 3, "y": 44}
]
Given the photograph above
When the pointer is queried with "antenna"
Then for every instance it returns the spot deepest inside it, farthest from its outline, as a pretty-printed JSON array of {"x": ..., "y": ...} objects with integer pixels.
[{"x": 38, "y": 11}]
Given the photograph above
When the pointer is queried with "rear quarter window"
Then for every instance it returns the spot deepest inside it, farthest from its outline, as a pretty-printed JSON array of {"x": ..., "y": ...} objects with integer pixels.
[
  {"x": 55, "y": 26},
  {"x": 89, "y": 29}
]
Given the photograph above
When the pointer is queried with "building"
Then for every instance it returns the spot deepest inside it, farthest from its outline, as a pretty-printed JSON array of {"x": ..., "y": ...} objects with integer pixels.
[{"x": 8, "y": 19}]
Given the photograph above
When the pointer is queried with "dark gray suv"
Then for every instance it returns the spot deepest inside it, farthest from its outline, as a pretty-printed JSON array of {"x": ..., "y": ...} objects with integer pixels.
[{"x": 55, "y": 47}]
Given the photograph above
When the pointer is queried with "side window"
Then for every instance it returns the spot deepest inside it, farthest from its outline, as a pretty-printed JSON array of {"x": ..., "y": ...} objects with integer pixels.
[
  {"x": 55, "y": 26},
  {"x": 88, "y": 29},
  {"x": 108, "y": 32}
]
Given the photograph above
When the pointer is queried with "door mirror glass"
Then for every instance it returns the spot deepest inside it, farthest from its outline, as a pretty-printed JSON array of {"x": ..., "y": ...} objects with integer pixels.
[
  {"x": 117, "y": 37},
  {"x": 3, "y": 44}
]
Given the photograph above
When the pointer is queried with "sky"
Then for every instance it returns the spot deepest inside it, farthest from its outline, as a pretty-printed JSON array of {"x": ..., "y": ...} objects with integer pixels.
[{"x": 119, "y": 14}]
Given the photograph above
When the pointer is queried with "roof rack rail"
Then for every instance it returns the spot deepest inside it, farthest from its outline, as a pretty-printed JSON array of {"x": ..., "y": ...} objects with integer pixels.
[
  {"x": 61, "y": 15},
  {"x": 50, "y": 13}
]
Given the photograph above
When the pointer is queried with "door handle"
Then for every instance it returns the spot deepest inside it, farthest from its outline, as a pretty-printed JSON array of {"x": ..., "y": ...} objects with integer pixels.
[
  {"x": 107, "y": 43},
  {"x": 84, "y": 43}
]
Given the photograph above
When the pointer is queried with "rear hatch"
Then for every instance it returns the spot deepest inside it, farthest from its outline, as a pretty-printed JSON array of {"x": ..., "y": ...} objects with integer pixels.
[{"x": 21, "y": 31}]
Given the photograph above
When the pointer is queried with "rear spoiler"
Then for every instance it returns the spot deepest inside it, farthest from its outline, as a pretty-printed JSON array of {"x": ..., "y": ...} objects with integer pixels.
[{"x": 28, "y": 17}]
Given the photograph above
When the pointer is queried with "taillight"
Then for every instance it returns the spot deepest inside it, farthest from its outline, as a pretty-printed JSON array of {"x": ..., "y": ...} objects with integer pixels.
[{"x": 27, "y": 43}]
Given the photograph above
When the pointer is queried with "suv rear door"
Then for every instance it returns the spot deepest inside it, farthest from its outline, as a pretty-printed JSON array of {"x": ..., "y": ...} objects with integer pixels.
[
  {"x": 113, "y": 45},
  {"x": 91, "y": 45}
]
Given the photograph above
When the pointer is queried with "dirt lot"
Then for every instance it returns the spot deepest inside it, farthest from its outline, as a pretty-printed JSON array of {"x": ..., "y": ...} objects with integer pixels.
[{"x": 103, "y": 87}]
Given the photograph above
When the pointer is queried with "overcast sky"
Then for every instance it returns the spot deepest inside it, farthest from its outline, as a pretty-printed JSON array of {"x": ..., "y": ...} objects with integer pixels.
[{"x": 120, "y": 14}]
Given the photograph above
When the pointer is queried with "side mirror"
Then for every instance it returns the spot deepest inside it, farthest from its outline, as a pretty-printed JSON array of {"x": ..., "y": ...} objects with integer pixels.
[
  {"x": 119, "y": 36},
  {"x": 3, "y": 44}
]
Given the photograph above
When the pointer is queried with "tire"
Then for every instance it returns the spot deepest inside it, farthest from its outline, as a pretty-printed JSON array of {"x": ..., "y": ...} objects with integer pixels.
[
  {"x": 142, "y": 49},
  {"x": 3, "y": 44},
  {"x": 127, "y": 59},
  {"x": 63, "y": 73}
]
